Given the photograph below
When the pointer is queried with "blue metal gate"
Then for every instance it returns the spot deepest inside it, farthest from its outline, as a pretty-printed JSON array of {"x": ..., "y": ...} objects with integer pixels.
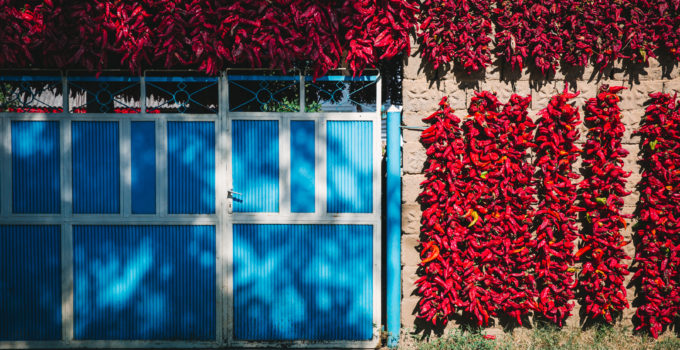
[{"x": 171, "y": 210}]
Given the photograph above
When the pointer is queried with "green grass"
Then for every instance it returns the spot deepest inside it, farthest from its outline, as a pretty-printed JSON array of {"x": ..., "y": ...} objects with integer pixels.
[
  {"x": 458, "y": 340},
  {"x": 596, "y": 338}
]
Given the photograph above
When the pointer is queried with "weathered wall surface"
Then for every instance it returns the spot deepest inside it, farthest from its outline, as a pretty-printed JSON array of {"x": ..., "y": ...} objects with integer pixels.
[{"x": 423, "y": 88}]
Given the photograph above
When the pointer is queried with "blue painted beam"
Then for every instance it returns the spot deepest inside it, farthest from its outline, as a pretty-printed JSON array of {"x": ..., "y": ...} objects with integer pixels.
[{"x": 393, "y": 225}]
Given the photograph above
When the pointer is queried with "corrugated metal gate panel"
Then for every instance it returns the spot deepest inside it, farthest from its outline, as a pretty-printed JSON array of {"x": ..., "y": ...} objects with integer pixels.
[
  {"x": 96, "y": 167},
  {"x": 143, "y": 167},
  {"x": 35, "y": 167},
  {"x": 30, "y": 283},
  {"x": 191, "y": 167},
  {"x": 255, "y": 161},
  {"x": 302, "y": 158},
  {"x": 144, "y": 282},
  {"x": 303, "y": 282},
  {"x": 350, "y": 166}
]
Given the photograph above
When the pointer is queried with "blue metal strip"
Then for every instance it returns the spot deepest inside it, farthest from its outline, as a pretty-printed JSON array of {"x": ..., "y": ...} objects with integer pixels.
[
  {"x": 344, "y": 78},
  {"x": 144, "y": 282},
  {"x": 36, "y": 179},
  {"x": 307, "y": 282},
  {"x": 40, "y": 78},
  {"x": 96, "y": 167},
  {"x": 191, "y": 167},
  {"x": 263, "y": 77},
  {"x": 143, "y": 154},
  {"x": 393, "y": 244},
  {"x": 349, "y": 166},
  {"x": 182, "y": 79},
  {"x": 302, "y": 159},
  {"x": 104, "y": 79},
  {"x": 30, "y": 283},
  {"x": 255, "y": 165}
]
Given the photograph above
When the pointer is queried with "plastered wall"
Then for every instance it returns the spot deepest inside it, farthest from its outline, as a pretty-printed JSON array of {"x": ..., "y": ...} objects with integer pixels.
[{"x": 423, "y": 88}]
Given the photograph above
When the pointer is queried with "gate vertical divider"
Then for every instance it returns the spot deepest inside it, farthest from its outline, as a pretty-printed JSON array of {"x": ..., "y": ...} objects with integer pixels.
[
  {"x": 220, "y": 192},
  {"x": 125, "y": 167},
  {"x": 6, "y": 161},
  {"x": 284, "y": 165},
  {"x": 321, "y": 189},
  {"x": 377, "y": 209},
  {"x": 162, "y": 166},
  {"x": 66, "y": 169},
  {"x": 227, "y": 238}
]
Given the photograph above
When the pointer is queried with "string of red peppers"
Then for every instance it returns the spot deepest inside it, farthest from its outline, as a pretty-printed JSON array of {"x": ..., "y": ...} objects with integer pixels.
[
  {"x": 601, "y": 279},
  {"x": 500, "y": 242},
  {"x": 442, "y": 229},
  {"x": 205, "y": 34},
  {"x": 657, "y": 249},
  {"x": 478, "y": 192},
  {"x": 213, "y": 34},
  {"x": 555, "y": 220},
  {"x": 529, "y": 28},
  {"x": 456, "y": 31},
  {"x": 548, "y": 31}
]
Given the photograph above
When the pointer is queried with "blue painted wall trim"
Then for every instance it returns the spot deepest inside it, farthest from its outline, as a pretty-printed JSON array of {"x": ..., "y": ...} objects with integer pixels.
[
  {"x": 350, "y": 166},
  {"x": 144, "y": 282},
  {"x": 310, "y": 282},
  {"x": 393, "y": 244},
  {"x": 191, "y": 167},
  {"x": 36, "y": 178},
  {"x": 255, "y": 165},
  {"x": 96, "y": 167},
  {"x": 30, "y": 282},
  {"x": 302, "y": 159},
  {"x": 143, "y": 157}
]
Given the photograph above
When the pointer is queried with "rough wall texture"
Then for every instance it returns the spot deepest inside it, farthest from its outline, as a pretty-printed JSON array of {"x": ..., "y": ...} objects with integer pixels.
[{"x": 423, "y": 88}]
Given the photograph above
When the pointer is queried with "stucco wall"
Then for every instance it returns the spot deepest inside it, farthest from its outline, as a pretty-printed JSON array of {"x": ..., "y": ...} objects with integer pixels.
[{"x": 423, "y": 88}]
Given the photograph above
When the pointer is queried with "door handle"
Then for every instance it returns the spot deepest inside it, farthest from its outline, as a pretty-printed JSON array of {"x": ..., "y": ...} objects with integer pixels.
[{"x": 232, "y": 193}]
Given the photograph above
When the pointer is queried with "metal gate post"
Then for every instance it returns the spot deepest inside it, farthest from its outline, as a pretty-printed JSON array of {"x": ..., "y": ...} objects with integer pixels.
[{"x": 393, "y": 199}]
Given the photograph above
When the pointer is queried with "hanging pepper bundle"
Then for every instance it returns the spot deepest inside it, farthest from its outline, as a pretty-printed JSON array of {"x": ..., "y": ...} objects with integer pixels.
[
  {"x": 205, "y": 34},
  {"x": 456, "y": 31},
  {"x": 497, "y": 212},
  {"x": 526, "y": 28},
  {"x": 555, "y": 220},
  {"x": 477, "y": 253},
  {"x": 657, "y": 252},
  {"x": 667, "y": 26},
  {"x": 444, "y": 270},
  {"x": 377, "y": 29},
  {"x": 601, "y": 287}
]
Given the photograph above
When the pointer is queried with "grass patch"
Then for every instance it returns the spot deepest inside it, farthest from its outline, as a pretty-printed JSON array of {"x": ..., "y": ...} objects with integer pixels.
[{"x": 569, "y": 338}]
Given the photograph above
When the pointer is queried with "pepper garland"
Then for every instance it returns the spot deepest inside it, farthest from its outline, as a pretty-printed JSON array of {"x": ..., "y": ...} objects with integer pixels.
[
  {"x": 600, "y": 282},
  {"x": 206, "y": 34},
  {"x": 555, "y": 220},
  {"x": 501, "y": 194},
  {"x": 457, "y": 32},
  {"x": 657, "y": 249},
  {"x": 444, "y": 270},
  {"x": 478, "y": 192}
]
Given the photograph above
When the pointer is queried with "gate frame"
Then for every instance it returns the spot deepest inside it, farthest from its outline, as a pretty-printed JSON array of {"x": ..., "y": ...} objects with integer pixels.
[{"x": 223, "y": 219}]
